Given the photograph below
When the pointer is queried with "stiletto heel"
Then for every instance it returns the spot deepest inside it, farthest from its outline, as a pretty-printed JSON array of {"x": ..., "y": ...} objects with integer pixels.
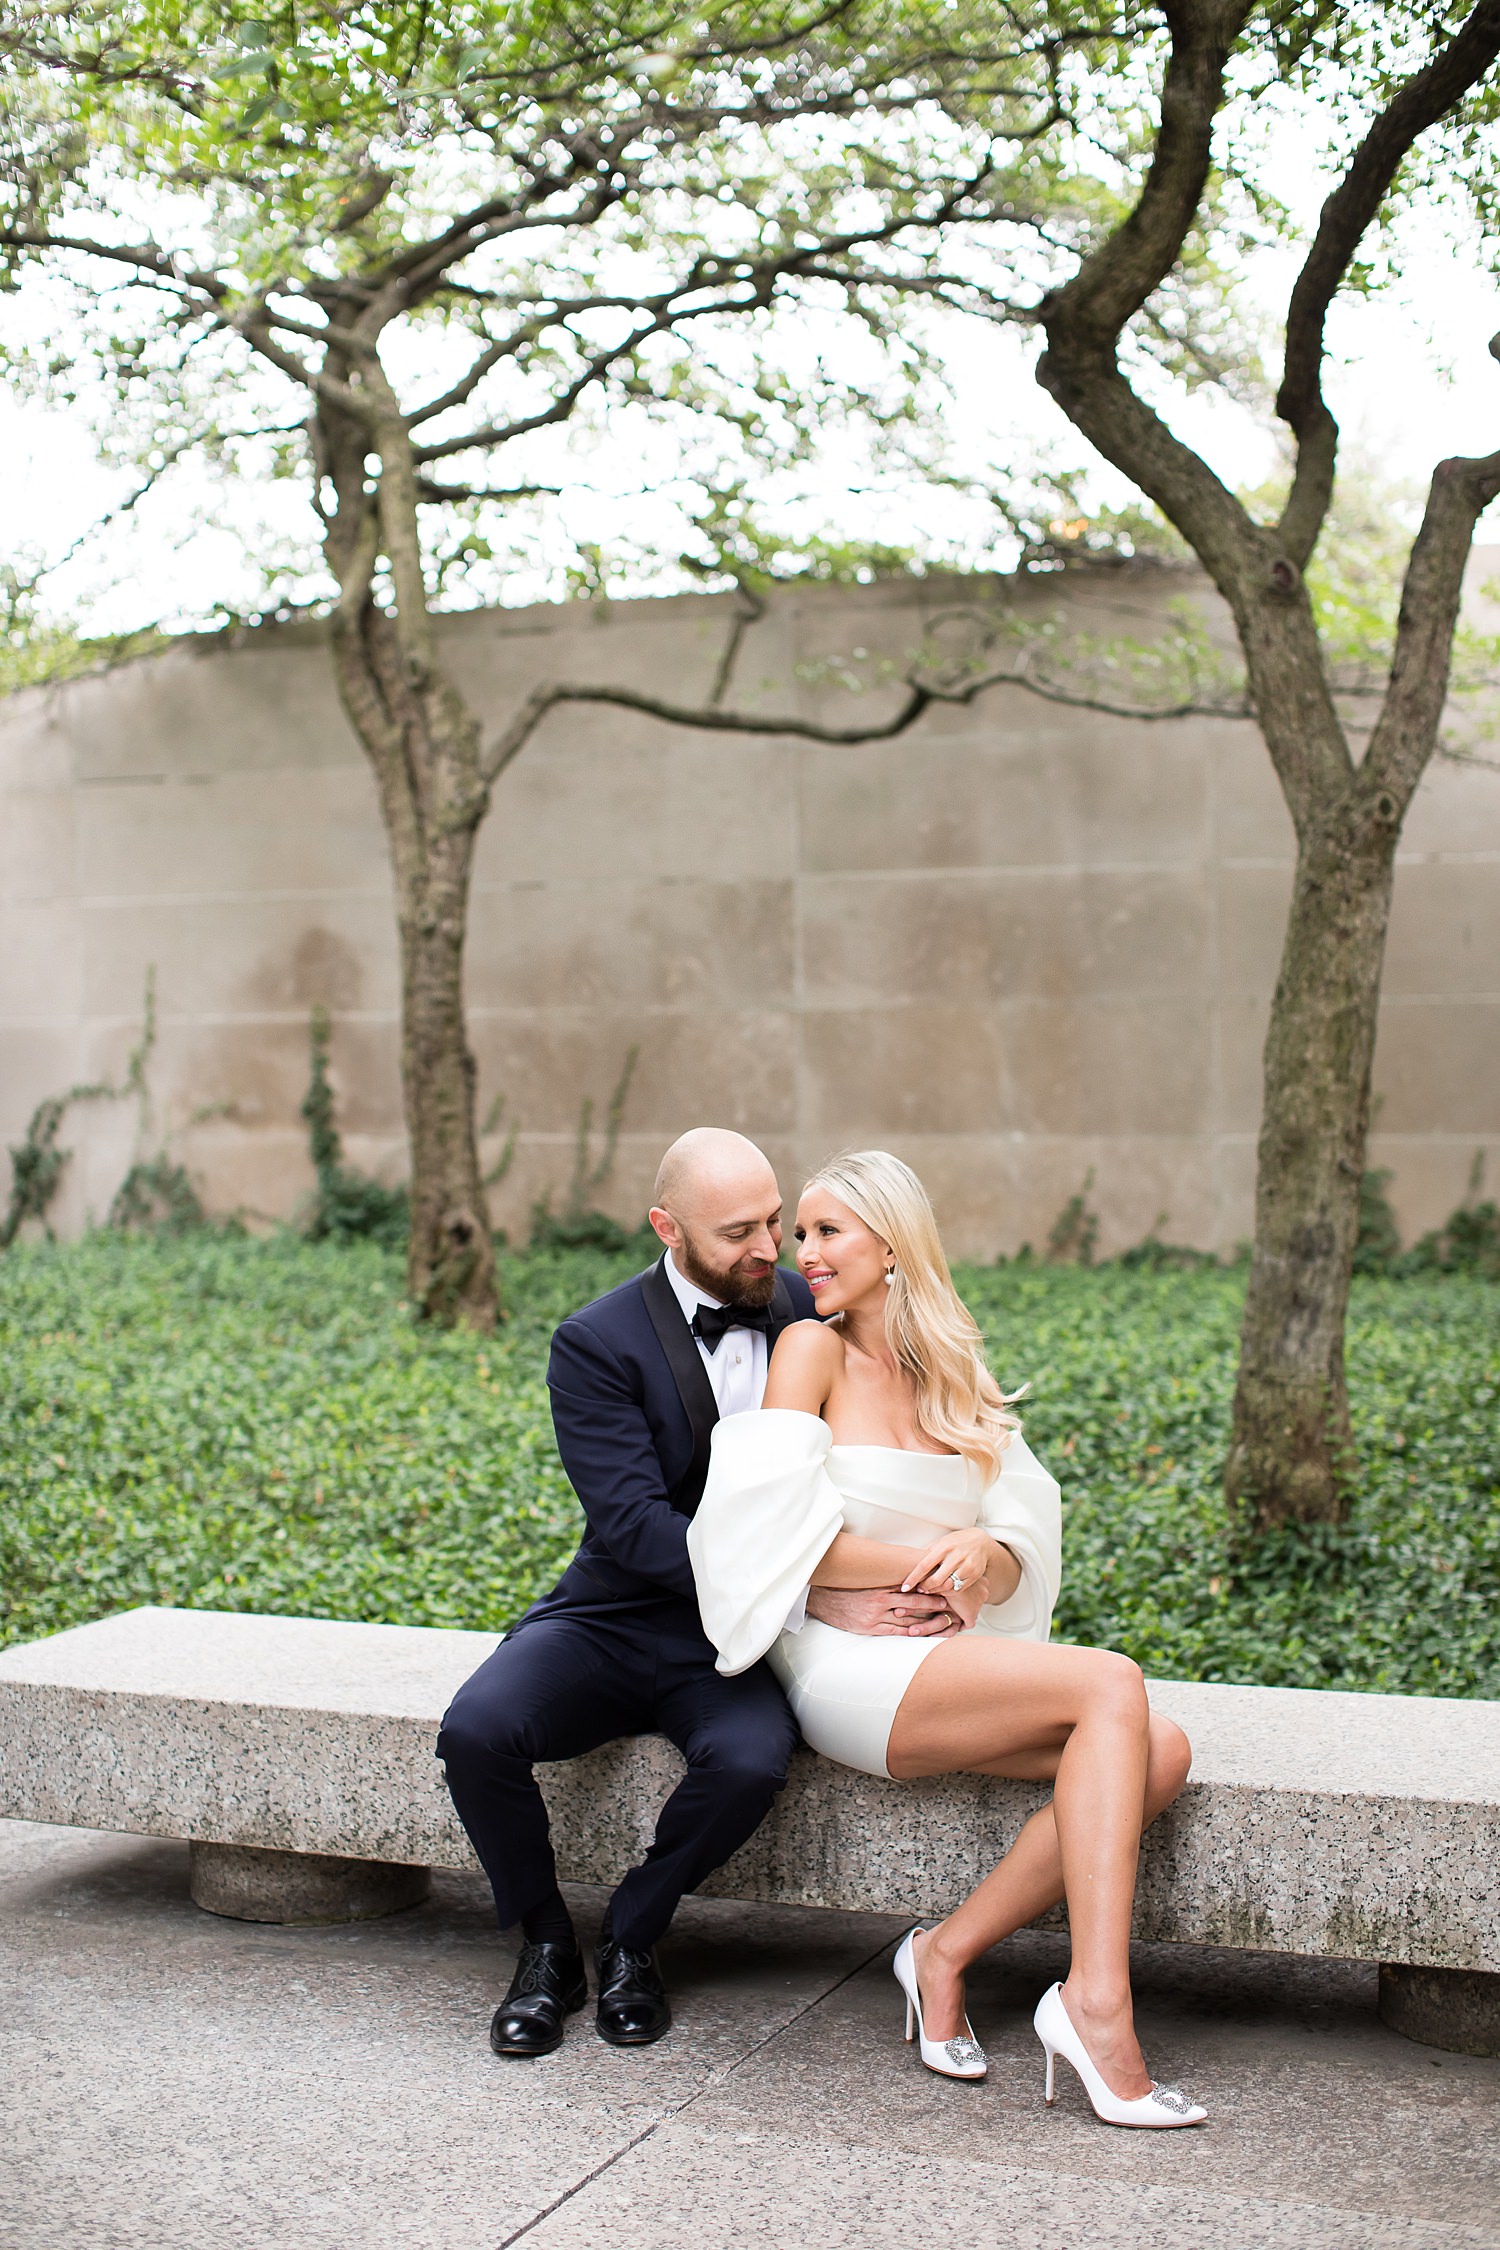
[
  {"x": 960, "y": 2057},
  {"x": 1163, "y": 2107}
]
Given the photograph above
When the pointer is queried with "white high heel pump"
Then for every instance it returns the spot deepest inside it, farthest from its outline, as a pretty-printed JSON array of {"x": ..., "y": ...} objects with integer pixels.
[
  {"x": 1163, "y": 2107},
  {"x": 960, "y": 2057}
]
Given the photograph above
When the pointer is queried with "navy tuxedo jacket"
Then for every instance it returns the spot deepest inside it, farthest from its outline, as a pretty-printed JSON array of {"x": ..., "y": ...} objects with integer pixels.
[{"x": 634, "y": 1413}]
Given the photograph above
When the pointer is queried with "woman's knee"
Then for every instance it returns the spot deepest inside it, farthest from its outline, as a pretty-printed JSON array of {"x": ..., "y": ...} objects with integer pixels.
[
  {"x": 1171, "y": 1759},
  {"x": 1117, "y": 1684}
]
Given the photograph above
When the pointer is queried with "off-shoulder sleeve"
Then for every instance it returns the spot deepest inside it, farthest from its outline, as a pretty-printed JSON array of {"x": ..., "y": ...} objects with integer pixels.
[
  {"x": 768, "y": 1515},
  {"x": 1023, "y": 1508}
]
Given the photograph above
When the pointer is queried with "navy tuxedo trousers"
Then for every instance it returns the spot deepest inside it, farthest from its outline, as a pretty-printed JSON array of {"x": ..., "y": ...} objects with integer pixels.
[{"x": 564, "y": 1682}]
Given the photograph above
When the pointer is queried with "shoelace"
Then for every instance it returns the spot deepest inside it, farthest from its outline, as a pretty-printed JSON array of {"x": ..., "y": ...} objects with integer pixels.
[
  {"x": 621, "y": 1961},
  {"x": 535, "y": 1972}
]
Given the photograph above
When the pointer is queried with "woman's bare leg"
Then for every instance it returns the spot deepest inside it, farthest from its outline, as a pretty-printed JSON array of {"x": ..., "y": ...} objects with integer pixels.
[
  {"x": 1033, "y": 1713},
  {"x": 1029, "y": 1880}
]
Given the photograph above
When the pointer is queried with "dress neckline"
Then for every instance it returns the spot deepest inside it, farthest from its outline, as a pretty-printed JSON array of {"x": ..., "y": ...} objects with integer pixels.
[{"x": 906, "y": 1452}]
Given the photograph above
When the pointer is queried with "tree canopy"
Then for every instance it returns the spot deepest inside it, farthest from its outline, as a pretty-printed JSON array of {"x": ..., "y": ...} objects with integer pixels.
[
  {"x": 709, "y": 259},
  {"x": 435, "y": 262},
  {"x": 539, "y": 217}
]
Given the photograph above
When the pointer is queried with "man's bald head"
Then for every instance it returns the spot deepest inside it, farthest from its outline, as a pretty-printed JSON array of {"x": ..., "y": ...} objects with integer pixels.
[
  {"x": 711, "y": 1162},
  {"x": 718, "y": 1209}
]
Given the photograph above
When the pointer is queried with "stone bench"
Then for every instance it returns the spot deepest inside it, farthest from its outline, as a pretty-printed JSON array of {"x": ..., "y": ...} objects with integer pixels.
[{"x": 296, "y": 1756}]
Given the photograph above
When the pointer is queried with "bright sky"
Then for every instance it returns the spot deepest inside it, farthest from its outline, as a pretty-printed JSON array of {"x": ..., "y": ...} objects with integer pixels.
[{"x": 1410, "y": 378}]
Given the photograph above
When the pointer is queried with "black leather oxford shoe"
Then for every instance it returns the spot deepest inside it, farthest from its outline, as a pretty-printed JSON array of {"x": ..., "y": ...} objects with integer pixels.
[
  {"x": 633, "y": 2007},
  {"x": 549, "y": 1985}
]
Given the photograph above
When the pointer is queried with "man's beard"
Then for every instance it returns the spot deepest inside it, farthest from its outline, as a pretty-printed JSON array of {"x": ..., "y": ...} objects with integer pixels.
[{"x": 750, "y": 1291}]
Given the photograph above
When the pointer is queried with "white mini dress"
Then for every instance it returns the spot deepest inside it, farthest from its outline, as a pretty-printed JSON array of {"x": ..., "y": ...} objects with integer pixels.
[{"x": 778, "y": 1492}]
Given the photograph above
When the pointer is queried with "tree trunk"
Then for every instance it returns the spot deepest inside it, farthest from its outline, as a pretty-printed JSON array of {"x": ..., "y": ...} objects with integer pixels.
[
  {"x": 450, "y": 1260},
  {"x": 1291, "y": 1454},
  {"x": 422, "y": 745}
]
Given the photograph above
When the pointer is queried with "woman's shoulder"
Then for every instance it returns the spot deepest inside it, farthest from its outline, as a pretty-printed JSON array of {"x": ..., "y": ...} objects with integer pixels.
[
  {"x": 810, "y": 1344},
  {"x": 806, "y": 1364}
]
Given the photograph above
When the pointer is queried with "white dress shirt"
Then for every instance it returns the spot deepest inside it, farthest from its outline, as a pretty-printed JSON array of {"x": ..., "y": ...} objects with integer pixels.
[
  {"x": 737, "y": 1374},
  {"x": 737, "y": 1370}
]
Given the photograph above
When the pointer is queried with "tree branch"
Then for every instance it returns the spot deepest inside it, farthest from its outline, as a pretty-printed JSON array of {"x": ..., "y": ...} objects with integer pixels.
[
  {"x": 150, "y": 260},
  {"x": 257, "y": 335},
  {"x": 1355, "y": 202},
  {"x": 504, "y": 347},
  {"x": 708, "y": 717},
  {"x": 753, "y": 282},
  {"x": 1047, "y": 691},
  {"x": 961, "y": 292},
  {"x": 147, "y": 485},
  {"x": 593, "y": 371},
  {"x": 1115, "y": 280},
  {"x": 749, "y": 608},
  {"x": 920, "y": 696},
  {"x": 431, "y": 494},
  {"x": 396, "y": 502},
  {"x": 559, "y": 310},
  {"x": 1406, "y": 731},
  {"x": 160, "y": 265},
  {"x": 1083, "y": 318},
  {"x": 419, "y": 267}
]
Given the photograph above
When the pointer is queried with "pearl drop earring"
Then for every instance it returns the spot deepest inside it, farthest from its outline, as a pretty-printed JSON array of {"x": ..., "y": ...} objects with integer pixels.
[{"x": 890, "y": 1275}]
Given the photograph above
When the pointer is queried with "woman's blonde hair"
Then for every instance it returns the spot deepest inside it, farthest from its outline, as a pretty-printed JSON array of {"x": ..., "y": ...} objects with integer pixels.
[{"x": 927, "y": 1324}]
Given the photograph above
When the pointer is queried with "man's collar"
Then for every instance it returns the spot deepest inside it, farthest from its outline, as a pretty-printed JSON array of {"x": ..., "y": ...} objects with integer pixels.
[{"x": 687, "y": 1293}]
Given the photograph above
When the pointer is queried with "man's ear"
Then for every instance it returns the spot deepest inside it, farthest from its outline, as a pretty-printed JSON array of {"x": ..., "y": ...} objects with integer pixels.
[{"x": 665, "y": 1225}]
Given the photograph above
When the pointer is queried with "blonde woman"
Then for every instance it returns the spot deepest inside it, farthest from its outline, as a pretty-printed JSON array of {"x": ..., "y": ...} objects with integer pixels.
[{"x": 885, "y": 1455}]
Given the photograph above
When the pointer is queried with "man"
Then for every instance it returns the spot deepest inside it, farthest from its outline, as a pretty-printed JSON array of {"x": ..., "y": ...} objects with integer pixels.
[{"x": 638, "y": 1380}]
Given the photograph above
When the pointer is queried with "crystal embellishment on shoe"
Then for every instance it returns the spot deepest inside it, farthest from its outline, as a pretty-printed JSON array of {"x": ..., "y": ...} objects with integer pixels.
[
  {"x": 958, "y": 2057},
  {"x": 1172, "y": 2097}
]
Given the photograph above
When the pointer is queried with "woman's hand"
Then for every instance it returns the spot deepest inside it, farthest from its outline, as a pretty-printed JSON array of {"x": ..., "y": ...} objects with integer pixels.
[{"x": 964, "y": 1567}]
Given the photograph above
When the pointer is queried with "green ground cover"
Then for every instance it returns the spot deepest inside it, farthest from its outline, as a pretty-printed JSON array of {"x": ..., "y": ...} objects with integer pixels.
[{"x": 257, "y": 1425}]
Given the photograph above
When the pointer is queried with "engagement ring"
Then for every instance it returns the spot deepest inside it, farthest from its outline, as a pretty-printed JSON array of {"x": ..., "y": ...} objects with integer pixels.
[{"x": 956, "y": 1583}]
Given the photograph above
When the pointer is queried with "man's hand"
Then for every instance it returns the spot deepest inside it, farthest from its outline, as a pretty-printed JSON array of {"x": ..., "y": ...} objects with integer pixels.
[{"x": 882, "y": 1609}]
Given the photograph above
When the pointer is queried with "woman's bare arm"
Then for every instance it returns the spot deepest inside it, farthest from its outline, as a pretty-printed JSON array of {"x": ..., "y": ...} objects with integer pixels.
[
  {"x": 805, "y": 1365},
  {"x": 857, "y": 1563}
]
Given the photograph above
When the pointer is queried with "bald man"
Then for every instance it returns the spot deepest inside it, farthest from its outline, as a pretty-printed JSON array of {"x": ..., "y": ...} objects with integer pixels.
[{"x": 638, "y": 1380}]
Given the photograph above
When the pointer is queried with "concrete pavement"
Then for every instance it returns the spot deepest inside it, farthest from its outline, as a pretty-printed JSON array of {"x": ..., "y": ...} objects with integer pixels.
[{"x": 170, "y": 2080}]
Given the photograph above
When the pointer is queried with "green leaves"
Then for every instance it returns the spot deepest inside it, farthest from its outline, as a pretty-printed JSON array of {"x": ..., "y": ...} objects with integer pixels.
[
  {"x": 265, "y": 1432},
  {"x": 259, "y": 1425},
  {"x": 244, "y": 66},
  {"x": 258, "y": 60}
]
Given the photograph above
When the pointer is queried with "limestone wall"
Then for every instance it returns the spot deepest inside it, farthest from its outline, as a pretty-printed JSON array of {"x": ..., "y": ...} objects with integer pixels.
[{"x": 1020, "y": 943}]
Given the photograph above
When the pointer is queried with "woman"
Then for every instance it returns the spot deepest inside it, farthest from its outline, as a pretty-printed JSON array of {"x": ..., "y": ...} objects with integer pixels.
[{"x": 885, "y": 1455}]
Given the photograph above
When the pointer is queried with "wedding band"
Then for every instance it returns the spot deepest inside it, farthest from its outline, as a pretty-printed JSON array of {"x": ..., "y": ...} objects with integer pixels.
[{"x": 957, "y": 1584}]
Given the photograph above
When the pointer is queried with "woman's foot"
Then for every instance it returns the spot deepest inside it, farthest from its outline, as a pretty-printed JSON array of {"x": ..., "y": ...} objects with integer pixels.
[
  {"x": 1158, "y": 2108},
  {"x": 959, "y": 2055},
  {"x": 1108, "y": 2032},
  {"x": 941, "y": 1984}
]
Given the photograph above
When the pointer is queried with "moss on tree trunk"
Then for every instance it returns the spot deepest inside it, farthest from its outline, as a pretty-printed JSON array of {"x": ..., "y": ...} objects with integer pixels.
[
  {"x": 423, "y": 747},
  {"x": 1291, "y": 1454},
  {"x": 450, "y": 1258}
]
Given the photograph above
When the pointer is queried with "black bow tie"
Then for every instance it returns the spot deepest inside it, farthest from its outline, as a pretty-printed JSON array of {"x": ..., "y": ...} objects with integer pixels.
[{"x": 711, "y": 1323}]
